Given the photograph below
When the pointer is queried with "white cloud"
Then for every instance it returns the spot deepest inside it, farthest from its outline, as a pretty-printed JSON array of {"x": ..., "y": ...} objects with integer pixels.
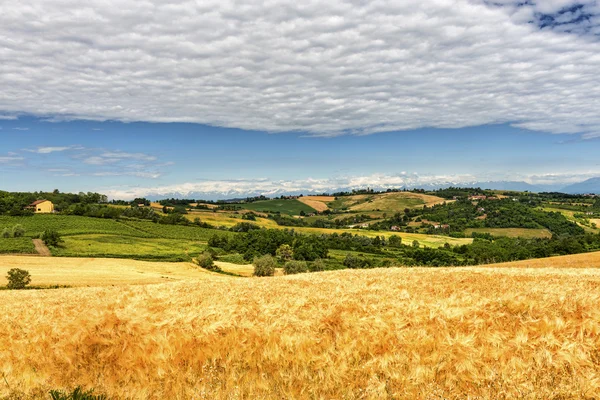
[
  {"x": 10, "y": 159},
  {"x": 323, "y": 67},
  {"x": 244, "y": 187},
  {"x": 52, "y": 149}
]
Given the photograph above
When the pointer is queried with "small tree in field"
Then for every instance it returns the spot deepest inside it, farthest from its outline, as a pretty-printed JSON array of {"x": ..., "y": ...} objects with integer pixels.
[
  {"x": 285, "y": 252},
  {"x": 52, "y": 238},
  {"x": 206, "y": 261},
  {"x": 264, "y": 266},
  {"x": 18, "y": 278},
  {"x": 6, "y": 233}
]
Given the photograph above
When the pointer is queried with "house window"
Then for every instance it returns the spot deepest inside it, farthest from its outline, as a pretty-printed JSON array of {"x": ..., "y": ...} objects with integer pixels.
[{"x": 39, "y": 209}]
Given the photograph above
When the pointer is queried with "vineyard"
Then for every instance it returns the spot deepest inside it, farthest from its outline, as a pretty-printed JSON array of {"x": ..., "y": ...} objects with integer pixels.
[{"x": 16, "y": 245}]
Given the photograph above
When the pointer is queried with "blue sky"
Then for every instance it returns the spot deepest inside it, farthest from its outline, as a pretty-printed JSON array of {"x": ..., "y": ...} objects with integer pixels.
[
  {"x": 116, "y": 157},
  {"x": 224, "y": 98}
]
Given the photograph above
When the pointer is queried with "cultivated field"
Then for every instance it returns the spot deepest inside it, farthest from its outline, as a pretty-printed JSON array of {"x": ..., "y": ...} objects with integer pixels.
[
  {"x": 290, "y": 207},
  {"x": 585, "y": 260},
  {"x": 16, "y": 245},
  {"x": 512, "y": 232},
  {"x": 319, "y": 203},
  {"x": 418, "y": 333},
  {"x": 424, "y": 240},
  {"x": 98, "y": 271},
  {"x": 390, "y": 203}
]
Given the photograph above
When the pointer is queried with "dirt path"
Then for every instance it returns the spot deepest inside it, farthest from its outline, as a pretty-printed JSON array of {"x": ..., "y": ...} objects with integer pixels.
[{"x": 41, "y": 248}]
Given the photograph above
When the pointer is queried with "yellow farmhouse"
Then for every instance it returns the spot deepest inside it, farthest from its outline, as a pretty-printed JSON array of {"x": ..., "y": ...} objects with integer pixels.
[{"x": 41, "y": 206}]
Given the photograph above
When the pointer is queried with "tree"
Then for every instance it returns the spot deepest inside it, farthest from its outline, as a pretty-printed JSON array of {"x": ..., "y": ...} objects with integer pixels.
[
  {"x": 317, "y": 265},
  {"x": 264, "y": 266},
  {"x": 6, "y": 233},
  {"x": 395, "y": 241},
  {"x": 415, "y": 243},
  {"x": 51, "y": 238},
  {"x": 285, "y": 253},
  {"x": 18, "y": 278},
  {"x": 18, "y": 231},
  {"x": 206, "y": 261}
]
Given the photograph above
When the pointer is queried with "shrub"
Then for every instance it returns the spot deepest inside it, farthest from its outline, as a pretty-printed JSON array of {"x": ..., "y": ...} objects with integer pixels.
[
  {"x": 77, "y": 394},
  {"x": 18, "y": 278},
  {"x": 18, "y": 231},
  {"x": 206, "y": 261},
  {"x": 317, "y": 265},
  {"x": 356, "y": 262},
  {"x": 295, "y": 267},
  {"x": 51, "y": 238},
  {"x": 6, "y": 233},
  {"x": 264, "y": 266}
]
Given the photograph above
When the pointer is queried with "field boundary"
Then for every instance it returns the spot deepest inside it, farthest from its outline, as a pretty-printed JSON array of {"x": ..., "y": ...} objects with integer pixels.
[{"x": 41, "y": 248}]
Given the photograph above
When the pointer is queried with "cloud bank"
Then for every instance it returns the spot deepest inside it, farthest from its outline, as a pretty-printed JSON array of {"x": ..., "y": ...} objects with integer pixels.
[
  {"x": 325, "y": 68},
  {"x": 227, "y": 189}
]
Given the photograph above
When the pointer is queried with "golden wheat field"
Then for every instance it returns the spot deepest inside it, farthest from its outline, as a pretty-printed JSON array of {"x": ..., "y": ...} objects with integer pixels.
[
  {"x": 98, "y": 271},
  {"x": 412, "y": 333}
]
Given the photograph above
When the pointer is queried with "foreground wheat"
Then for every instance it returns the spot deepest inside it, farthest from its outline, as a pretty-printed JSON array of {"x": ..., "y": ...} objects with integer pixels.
[{"x": 396, "y": 333}]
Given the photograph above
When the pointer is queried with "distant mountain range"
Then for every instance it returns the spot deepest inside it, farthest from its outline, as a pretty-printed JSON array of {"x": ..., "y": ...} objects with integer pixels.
[{"x": 588, "y": 186}]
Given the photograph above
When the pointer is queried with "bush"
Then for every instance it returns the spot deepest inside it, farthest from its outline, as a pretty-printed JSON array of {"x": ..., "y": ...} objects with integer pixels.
[
  {"x": 206, "y": 261},
  {"x": 295, "y": 267},
  {"x": 264, "y": 266},
  {"x": 18, "y": 231},
  {"x": 18, "y": 278},
  {"x": 6, "y": 233},
  {"x": 77, "y": 394},
  {"x": 316, "y": 266},
  {"x": 51, "y": 238},
  {"x": 285, "y": 252}
]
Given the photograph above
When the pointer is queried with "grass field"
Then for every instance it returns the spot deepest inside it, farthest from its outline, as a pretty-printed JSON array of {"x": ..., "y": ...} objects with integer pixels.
[
  {"x": 424, "y": 240},
  {"x": 68, "y": 225},
  {"x": 17, "y": 245},
  {"x": 228, "y": 219},
  {"x": 512, "y": 232},
  {"x": 114, "y": 246},
  {"x": 377, "y": 204},
  {"x": 418, "y": 333},
  {"x": 290, "y": 207},
  {"x": 98, "y": 272}
]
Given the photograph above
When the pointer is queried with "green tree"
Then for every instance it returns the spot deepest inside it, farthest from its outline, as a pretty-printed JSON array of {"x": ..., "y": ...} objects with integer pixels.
[
  {"x": 206, "y": 261},
  {"x": 395, "y": 241},
  {"x": 285, "y": 253},
  {"x": 264, "y": 266},
  {"x": 6, "y": 233},
  {"x": 415, "y": 243},
  {"x": 18, "y": 278},
  {"x": 51, "y": 238}
]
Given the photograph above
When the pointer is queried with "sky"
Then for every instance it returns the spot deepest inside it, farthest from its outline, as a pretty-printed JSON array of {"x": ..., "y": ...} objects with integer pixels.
[{"x": 223, "y": 98}]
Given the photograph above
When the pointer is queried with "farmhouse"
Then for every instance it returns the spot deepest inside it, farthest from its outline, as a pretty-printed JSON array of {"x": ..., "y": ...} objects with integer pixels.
[
  {"x": 477, "y": 197},
  {"x": 41, "y": 207}
]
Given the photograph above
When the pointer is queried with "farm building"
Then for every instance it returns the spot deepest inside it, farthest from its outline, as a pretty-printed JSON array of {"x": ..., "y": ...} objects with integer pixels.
[{"x": 41, "y": 207}]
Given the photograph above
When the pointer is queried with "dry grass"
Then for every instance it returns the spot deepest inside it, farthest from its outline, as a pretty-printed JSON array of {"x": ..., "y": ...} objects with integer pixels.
[
  {"x": 99, "y": 271},
  {"x": 316, "y": 202},
  {"x": 586, "y": 260},
  {"x": 513, "y": 232},
  {"x": 242, "y": 270},
  {"x": 396, "y": 202},
  {"x": 492, "y": 333}
]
